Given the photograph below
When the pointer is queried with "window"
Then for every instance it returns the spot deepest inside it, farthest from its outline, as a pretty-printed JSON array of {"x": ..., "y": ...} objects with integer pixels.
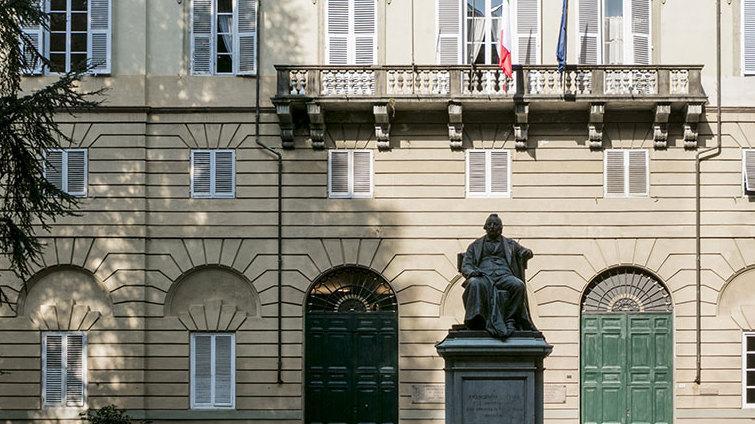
[
  {"x": 79, "y": 33},
  {"x": 66, "y": 169},
  {"x": 213, "y": 173},
  {"x": 224, "y": 37},
  {"x": 349, "y": 173},
  {"x": 748, "y": 170},
  {"x": 614, "y": 32},
  {"x": 64, "y": 368},
  {"x": 213, "y": 370},
  {"x": 748, "y": 370},
  {"x": 488, "y": 173},
  {"x": 748, "y": 36},
  {"x": 480, "y": 24},
  {"x": 626, "y": 173},
  {"x": 352, "y": 32}
]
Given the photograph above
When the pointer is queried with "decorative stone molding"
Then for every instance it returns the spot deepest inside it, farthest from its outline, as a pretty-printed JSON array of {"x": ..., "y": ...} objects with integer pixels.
[
  {"x": 521, "y": 127},
  {"x": 65, "y": 317},
  {"x": 316, "y": 125},
  {"x": 382, "y": 125},
  {"x": 286, "y": 124},
  {"x": 212, "y": 316},
  {"x": 595, "y": 126},
  {"x": 455, "y": 125},
  {"x": 660, "y": 125},
  {"x": 691, "y": 119}
]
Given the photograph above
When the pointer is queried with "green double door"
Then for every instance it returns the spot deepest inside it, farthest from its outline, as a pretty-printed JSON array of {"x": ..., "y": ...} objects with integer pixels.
[
  {"x": 351, "y": 368},
  {"x": 627, "y": 368}
]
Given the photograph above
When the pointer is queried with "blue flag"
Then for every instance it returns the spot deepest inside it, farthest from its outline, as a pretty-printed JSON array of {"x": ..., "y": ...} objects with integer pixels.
[{"x": 561, "y": 48}]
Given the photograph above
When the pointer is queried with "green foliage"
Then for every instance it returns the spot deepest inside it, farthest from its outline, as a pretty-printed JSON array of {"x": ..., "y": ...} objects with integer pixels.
[{"x": 108, "y": 415}]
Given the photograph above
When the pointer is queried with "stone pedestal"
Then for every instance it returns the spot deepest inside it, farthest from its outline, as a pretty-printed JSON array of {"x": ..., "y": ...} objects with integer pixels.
[{"x": 492, "y": 381}]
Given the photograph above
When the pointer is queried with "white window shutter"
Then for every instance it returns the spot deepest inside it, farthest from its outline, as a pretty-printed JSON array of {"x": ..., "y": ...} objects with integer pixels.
[
  {"x": 54, "y": 167},
  {"x": 246, "y": 37},
  {"x": 338, "y": 173},
  {"x": 76, "y": 172},
  {"x": 99, "y": 42},
  {"x": 748, "y": 36},
  {"x": 589, "y": 32},
  {"x": 337, "y": 50},
  {"x": 36, "y": 34},
  {"x": 224, "y": 370},
  {"x": 365, "y": 37},
  {"x": 201, "y": 37},
  {"x": 362, "y": 173},
  {"x": 749, "y": 169},
  {"x": 499, "y": 172},
  {"x": 527, "y": 31},
  {"x": 637, "y": 172},
  {"x": 225, "y": 170},
  {"x": 201, "y": 379},
  {"x": 200, "y": 173},
  {"x": 476, "y": 170},
  {"x": 641, "y": 44},
  {"x": 449, "y": 42},
  {"x": 75, "y": 369},
  {"x": 52, "y": 369},
  {"x": 614, "y": 173}
]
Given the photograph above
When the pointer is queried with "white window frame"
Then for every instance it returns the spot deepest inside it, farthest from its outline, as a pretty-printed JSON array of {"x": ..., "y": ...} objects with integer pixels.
[
  {"x": 488, "y": 175},
  {"x": 745, "y": 192},
  {"x": 626, "y": 194},
  {"x": 192, "y": 370},
  {"x": 213, "y": 163},
  {"x": 64, "y": 170},
  {"x": 351, "y": 48},
  {"x": 46, "y": 36},
  {"x": 513, "y": 25},
  {"x": 351, "y": 194},
  {"x": 742, "y": 41},
  {"x": 64, "y": 363},
  {"x": 234, "y": 31},
  {"x": 628, "y": 46},
  {"x": 745, "y": 335}
]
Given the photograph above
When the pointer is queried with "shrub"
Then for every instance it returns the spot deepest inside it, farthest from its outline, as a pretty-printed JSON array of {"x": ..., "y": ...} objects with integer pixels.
[{"x": 109, "y": 415}]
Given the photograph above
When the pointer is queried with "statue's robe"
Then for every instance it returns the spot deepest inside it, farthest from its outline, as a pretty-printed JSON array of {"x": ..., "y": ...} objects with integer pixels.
[{"x": 488, "y": 301}]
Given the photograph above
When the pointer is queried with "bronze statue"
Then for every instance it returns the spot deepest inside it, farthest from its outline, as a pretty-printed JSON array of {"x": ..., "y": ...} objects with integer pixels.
[{"x": 495, "y": 297}]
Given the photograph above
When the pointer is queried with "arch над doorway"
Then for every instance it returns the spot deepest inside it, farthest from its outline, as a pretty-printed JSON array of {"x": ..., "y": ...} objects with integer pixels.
[
  {"x": 351, "y": 349},
  {"x": 626, "y": 360}
]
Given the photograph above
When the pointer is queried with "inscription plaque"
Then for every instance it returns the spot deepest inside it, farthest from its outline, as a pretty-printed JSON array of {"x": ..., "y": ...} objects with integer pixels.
[
  {"x": 500, "y": 401},
  {"x": 554, "y": 393},
  {"x": 428, "y": 393}
]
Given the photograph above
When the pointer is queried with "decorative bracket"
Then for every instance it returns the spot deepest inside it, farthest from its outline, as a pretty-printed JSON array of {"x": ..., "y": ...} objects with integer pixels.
[
  {"x": 286, "y": 124},
  {"x": 382, "y": 125},
  {"x": 595, "y": 126},
  {"x": 316, "y": 125},
  {"x": 691, "y": 119},
  {"x": 660, "y": 125},
  {"x": 455, "y": 125},
  {"x": 521, "y": 127}
]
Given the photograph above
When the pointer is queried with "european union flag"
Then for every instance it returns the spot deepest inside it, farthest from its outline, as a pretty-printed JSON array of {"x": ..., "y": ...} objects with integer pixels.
[{"x": 561, "y": 48}]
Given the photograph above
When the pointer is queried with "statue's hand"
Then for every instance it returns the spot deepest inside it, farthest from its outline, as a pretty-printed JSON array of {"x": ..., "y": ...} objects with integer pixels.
[{"x": 527, "y": 254}]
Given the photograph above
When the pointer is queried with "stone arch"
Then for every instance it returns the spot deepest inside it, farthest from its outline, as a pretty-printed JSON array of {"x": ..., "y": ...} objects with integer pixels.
[
  {"x": 737, "y": 299},
  {"x": 212, "y": 298},
  {"x": 626, "y": 289}
]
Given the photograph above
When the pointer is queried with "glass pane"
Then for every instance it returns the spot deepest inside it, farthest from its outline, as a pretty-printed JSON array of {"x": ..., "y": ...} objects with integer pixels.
[
  {"x": 475, "y": 8},
  {"x": 225, "y": 64},
  {"x": 78, "y": 61},
  {"x": 57, "y": 62},
  {"x": 751, "y": 361},
  {"x": 614, "y": 8},
  {"x": 79, "y": 5},
  {"x": 475, "y": 30},
  {"x": 79, "y": 42},
  {"x": 751, "y": 378},
  {"x": 78, "y": 22},
  {"x": 494, "y": 57},
  {"x": 57, "y": 5},
  {"x": 496, "y": 8},
  {"x": 224, "y": 43},
  {"x": 751, "y": 343},
  {"x": 613, "y": 32},
  {"x": 225, "y": 24},
  {"x": 750, "y": 395},
  {"x": 475, "y": 53},
  {"x": 57, "y": 42},
  {"x": 57, "y": 21},
  {"x": 225, "y": 6}
]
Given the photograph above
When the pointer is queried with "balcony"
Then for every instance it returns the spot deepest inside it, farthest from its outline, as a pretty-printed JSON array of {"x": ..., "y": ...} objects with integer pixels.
[{"x": 317, "y": 90}]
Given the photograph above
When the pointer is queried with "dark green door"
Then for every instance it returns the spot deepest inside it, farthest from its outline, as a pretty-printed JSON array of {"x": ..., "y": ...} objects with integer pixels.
[
  {"x": 351, "y": 368},
  {"x": 626, "y": 368}
]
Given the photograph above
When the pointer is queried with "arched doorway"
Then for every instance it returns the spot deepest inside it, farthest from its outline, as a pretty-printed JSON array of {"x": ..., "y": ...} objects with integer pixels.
[
  {"x": 351, "y": 349},
  {"x": 627, "y": 349}
]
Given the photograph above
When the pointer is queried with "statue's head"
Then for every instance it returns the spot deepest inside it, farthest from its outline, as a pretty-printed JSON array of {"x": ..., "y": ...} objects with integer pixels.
[{"x": 493, "y": 226}]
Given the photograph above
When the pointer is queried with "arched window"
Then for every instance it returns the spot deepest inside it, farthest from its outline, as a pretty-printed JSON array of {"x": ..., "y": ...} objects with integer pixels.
[
  {"x": 351, "y": 289},
  {"x": 626, "y": 289}
]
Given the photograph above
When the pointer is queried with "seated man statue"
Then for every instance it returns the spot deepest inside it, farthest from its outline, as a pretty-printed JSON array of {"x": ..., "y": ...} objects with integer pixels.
[{"x": 495, "y": 298}]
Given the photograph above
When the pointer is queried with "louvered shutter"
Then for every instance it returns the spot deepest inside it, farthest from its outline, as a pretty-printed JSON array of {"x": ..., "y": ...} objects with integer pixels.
[
  {"x": 337, "y": 50},
  {"x": 449, "y": 32},
  {"x": 201, "y": 34},
  {"x": 54, "y": 168},
  {"x": 201, "y": 379},
  {"x": 224, "y": 368},
  {"x": 35, "y": 33},
  {"x": 614, "y": 173},
  {"x": 52, "y": 369},
  {"x": 748, "y": 168},
  {"x": 365, "y": 24},
  {"x": 99, "y": 41},
  {"x": 76, "y": 172},
  {"x": 224, "y": 173},
  {"x": 476, "y": 181},
  {"x": 499, "y": 172},
  {"x": 637, "y": 172},
  {"x": 362, "y": 173},
  {"x": 339, "y": 173},
  {"x": 589, "y": 31},
  {"x": 75, "y": 369},
  {"x": 748, "y": 36},
  {"x": 246, "y": 37},
  {"x": 527, "y": 31},
  {"x": 641, "y": 31},
  {"x": 200, "y": 173}
]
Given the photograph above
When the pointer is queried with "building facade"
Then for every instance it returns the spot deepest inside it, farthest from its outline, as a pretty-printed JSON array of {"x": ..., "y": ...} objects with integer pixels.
[{"x": 274, "y": 196}]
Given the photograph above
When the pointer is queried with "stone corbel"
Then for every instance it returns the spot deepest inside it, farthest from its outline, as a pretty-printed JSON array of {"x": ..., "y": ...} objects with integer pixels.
[
  {"x": 455, "y": 125},
  {"x": 316, "y": 125},
  {"x": 691, "y": 119},
  {"x": 595, "y": 126},
  {"x": 382, "y": 125},
  {"x": 521, "y": 125},
  {"x": 286, "y": 124},
  {"x": 660, "y": 125}
]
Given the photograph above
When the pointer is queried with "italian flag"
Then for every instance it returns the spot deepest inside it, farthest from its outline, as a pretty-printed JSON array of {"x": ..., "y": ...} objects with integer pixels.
[{"x": 504, "y": 61}]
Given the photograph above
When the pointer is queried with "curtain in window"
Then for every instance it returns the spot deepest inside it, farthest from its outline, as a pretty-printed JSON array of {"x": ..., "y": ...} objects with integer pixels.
[
  {"x": 225, "y": 28},
  {"x": 475, "y": 33}
]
